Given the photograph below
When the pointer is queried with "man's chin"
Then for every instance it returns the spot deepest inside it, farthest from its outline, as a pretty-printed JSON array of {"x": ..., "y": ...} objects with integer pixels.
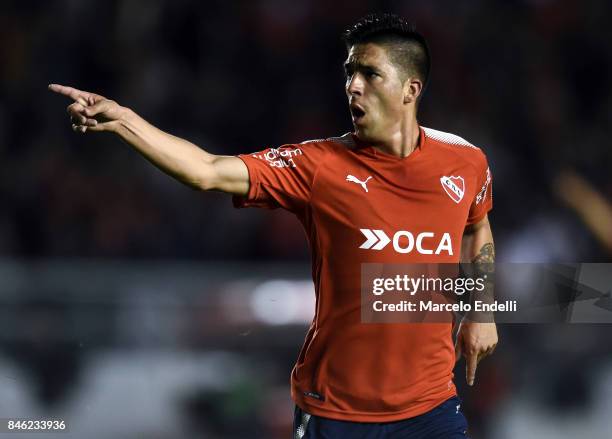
[{"x": 362, "y": 133}]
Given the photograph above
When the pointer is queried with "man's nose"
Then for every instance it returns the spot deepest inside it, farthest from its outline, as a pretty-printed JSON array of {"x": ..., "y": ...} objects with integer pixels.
[{"x": 354, "y": 85}]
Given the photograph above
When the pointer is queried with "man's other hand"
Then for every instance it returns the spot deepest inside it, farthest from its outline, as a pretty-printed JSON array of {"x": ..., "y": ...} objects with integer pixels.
[{"x": 476, "y": 341}]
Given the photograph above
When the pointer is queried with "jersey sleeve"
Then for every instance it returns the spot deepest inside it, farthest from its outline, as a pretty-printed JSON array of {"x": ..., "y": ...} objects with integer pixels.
[
  {"x": 483, "y": 201},
  {"x": 281, "y": 177}
]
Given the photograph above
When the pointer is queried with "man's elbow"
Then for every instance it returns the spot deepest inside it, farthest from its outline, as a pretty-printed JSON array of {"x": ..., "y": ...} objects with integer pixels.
[
  {"x": 204, "y": 183},
  {"x": 205, "y": 179}
]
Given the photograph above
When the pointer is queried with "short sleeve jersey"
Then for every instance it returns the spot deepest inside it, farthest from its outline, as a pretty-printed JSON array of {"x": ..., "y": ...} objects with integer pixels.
[{"x": 338, "y": 188}]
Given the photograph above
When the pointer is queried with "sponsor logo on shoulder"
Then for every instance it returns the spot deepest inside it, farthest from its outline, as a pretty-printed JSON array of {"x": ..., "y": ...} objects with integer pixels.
[
  {"x": 363, "y": 184},
  {"x": 280, "y": 157},
  {"x": 454, "y": 186},
  {"x": 483, "y": 191}
]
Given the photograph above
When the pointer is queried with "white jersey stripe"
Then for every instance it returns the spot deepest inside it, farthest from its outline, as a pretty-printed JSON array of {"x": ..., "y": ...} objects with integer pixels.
[{"x": 451, "y": 139}]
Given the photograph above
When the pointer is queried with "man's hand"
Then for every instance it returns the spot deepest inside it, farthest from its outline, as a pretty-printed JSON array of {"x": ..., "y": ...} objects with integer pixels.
[
  {"x": 476, "y": 341},
  {"x": 90, "y": 111}
]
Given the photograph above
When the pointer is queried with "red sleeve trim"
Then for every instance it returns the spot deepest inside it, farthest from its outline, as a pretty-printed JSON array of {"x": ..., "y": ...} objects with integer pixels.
[{"x": 478, "y": 218}]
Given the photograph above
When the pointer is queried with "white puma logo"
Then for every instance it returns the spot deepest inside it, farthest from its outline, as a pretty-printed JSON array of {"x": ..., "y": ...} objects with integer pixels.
[{"x": 354, "y": 179}]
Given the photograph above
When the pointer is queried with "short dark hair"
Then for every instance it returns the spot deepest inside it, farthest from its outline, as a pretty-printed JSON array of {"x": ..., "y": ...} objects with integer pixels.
[{"x": 406, "y": 47}]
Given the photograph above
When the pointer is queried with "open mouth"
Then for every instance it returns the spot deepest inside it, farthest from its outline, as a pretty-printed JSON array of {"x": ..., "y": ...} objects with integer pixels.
[{"x": 357, "y": 112}]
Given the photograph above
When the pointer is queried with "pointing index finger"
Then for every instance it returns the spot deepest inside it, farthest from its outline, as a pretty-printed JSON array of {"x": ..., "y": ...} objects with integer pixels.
[
  {"x": 77, "y": 95},
  {"x": 470, "y": 369}
]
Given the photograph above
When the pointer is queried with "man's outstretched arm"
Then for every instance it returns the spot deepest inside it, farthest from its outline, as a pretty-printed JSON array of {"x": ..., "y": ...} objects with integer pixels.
[
  {"x": 476, "y": 340},
  {"x": 176, "y": 157}
]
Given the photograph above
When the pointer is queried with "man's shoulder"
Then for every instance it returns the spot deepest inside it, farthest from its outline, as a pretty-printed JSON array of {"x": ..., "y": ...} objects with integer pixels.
[
  {"x": 330, "y": 143},
  {"x": 453, "y": 143},
  {"x": 313, "y": 152},
  {"x": 315, "y": 149}
]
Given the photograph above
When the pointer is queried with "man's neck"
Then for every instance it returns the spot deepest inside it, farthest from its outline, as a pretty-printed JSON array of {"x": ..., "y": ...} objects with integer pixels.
[{"x": 403, "y": 142}]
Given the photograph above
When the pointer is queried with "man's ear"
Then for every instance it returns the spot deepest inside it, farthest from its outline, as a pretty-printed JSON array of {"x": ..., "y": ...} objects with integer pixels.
[{"x": 412, "y": 90}]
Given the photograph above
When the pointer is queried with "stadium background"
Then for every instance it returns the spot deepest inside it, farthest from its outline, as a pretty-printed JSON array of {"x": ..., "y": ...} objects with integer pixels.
[{"x": 135, "y": 307}]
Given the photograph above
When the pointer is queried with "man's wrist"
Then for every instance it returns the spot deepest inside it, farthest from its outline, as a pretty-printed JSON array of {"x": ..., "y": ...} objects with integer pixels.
[{"x": 124, "y": 121}]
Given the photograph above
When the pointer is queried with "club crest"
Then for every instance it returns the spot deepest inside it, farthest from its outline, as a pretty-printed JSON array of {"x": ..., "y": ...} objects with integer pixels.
[{"x": 454, "y": 187}]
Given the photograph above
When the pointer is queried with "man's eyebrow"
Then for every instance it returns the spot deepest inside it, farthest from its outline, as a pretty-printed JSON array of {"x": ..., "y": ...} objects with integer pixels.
[{"x": 358, "y": 65}]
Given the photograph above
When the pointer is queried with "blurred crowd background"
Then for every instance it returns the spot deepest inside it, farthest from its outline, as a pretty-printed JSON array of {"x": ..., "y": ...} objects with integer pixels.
[{"x": 134, "y": 304}]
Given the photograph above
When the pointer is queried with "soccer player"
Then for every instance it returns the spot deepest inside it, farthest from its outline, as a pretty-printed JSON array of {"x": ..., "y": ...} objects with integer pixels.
[{"x": 354, "y": 379}]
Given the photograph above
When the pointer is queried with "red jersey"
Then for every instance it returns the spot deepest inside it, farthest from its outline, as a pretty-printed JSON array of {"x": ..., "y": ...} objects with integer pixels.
[{"x": 340, "y": 188}]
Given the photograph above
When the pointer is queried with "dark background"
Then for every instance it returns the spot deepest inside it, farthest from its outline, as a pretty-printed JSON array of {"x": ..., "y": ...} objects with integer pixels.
[{"x": 527, "y": 81}]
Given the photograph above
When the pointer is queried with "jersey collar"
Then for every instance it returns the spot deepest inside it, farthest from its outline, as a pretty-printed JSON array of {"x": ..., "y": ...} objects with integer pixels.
[{"x": 367, "y": 149}]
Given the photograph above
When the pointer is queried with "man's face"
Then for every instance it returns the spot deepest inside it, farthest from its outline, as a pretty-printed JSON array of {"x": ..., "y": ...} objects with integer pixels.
[{"x": 375, "y": 91}]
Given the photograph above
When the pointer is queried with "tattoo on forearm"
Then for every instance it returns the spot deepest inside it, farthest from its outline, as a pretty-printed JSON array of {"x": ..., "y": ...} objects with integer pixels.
[
  {"x": 486, "y": 255},
  {"x": 483, "y": 266}
]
